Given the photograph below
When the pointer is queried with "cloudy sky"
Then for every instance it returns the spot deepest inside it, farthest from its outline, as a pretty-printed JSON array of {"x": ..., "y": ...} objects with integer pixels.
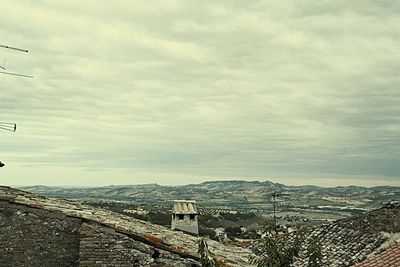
[{"x": 178, "y": 92}]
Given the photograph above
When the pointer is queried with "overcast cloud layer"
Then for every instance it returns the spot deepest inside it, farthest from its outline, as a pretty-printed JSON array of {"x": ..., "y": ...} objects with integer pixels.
[{"x": 183, "y": 91}]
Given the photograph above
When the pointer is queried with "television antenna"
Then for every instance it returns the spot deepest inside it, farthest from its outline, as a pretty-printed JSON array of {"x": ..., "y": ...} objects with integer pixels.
[
  {"x": 274, "y": 195},
  {"x": 10, "y": 126},
  {"x": 3, "y": 68}
]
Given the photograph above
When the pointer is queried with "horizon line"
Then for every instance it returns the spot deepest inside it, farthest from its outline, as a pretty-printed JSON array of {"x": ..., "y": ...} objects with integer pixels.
[{"x": 216, "y": 181}]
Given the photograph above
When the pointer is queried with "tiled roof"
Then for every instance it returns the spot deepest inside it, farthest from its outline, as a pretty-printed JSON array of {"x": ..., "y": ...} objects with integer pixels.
[
  {"x": 350, "y": 241},
  {"x": 389, "y": 258},
  {"x": 185, "y": 207},
  {"x": 159, "y": 236}
]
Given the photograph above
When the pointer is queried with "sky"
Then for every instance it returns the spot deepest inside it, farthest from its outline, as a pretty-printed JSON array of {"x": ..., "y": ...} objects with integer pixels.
[{"x": 178, "y": 92}]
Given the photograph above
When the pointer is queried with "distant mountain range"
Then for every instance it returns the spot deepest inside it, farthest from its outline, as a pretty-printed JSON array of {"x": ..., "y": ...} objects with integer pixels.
[{"x": 233, "y": 194}]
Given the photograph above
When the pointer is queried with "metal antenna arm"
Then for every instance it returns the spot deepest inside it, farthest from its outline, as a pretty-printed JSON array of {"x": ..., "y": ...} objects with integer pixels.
[
  {"x": 14, "y": 48},
  {"x": 16, "y": 74},
  {"x": 11, "y": 127}
]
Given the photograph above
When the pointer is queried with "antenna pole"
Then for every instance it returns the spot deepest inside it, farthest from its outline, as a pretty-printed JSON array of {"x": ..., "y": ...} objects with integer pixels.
[
  {"x": 274, "y": 196},
  {"x": 12, "y": 127},
  {"x": 274, "y": 203}
]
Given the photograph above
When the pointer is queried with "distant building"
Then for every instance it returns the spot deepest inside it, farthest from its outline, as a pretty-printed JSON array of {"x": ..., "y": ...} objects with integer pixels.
[{"x": 184, "y": 216}]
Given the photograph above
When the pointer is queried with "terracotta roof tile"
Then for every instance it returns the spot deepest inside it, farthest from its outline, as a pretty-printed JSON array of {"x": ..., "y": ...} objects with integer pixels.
[
  {"x": 184, "y": 207},
  {"x": 388, "y": 258}
]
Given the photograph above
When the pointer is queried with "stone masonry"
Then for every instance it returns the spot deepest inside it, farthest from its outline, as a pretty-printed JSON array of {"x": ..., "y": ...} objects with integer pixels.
[
  {"x": 36, "y": 237},
  {"x": 103, "y": 246},
  {"x": 39, "y": 231}
]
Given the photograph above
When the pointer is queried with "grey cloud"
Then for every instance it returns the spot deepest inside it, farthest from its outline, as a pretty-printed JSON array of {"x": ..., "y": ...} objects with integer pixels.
[{"x": 189, "y": 89}]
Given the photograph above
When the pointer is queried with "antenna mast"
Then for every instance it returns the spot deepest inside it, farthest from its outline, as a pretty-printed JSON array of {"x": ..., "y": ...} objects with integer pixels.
[
  {"x": 8, "y": 126},
  {"x": 274, "y": 195}
]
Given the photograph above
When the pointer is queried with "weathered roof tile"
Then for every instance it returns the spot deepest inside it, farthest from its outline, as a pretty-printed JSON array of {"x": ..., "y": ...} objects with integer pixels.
[{"x": 388, "y": 258}]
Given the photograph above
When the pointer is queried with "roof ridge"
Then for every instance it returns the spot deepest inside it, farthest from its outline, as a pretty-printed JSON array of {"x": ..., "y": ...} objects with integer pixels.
[{"x": 157, "y": 235}]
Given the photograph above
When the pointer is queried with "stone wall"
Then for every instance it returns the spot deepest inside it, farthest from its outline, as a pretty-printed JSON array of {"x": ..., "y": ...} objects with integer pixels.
[
  {"x": 103, "y": 246},
  {"x": 35, "y": 237},
  {"x": 39, "y": 231}
]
